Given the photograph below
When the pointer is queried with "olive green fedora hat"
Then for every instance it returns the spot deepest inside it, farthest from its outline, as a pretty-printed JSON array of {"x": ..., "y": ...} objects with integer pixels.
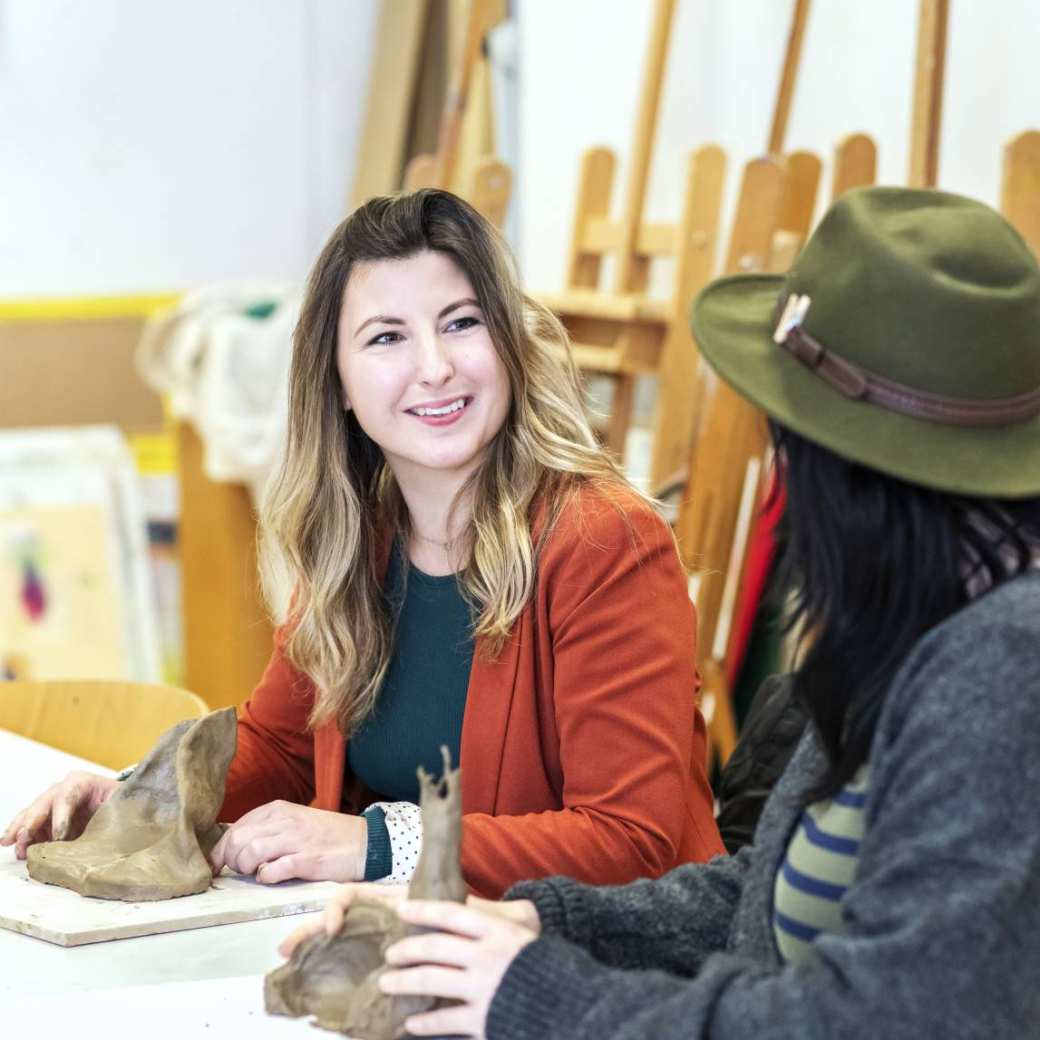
[{"x": 906, "y": 337}]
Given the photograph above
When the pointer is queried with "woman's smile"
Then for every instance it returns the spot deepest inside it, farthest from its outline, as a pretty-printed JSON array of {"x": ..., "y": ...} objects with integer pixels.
[{"x": 443, "y": 412}]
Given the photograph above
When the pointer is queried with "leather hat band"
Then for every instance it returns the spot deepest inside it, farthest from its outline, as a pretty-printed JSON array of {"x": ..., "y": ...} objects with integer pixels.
[{"x": 860, "y": 385}]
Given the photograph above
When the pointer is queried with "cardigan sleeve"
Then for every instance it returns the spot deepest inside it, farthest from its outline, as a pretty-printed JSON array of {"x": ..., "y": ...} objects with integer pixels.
[
  {"x": 631, "y": 740},
  {"x": 274, "y": 757},
  {"x": 942, "y": 918}
]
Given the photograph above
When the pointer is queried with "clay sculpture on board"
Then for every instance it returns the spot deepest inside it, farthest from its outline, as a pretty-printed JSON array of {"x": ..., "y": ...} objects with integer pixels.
[
  {"x": 150, "y": 839},
  {"x": 335, "y": 978}
]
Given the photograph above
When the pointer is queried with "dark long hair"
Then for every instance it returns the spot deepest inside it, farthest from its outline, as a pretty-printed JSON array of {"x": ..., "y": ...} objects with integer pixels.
[{"x": 872, "y": 563}]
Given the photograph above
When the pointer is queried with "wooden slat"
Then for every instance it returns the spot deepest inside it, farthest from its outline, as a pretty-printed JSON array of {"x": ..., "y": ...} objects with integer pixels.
[
  {"x": 421, "y": 172},
  {"x": 797, "y": 205},
  {"x": 712, "y": 540},
  {"x": 757, "y": 216},
  {"x": 1020, "y": 188},
  {"x": 227, "y": 634},
  {"x": 591, "y": 207},
  {"x": 788, "y": 78},
  {"x": 929, "y": 69},
  {"x": 698, "y": 231},
  {"x": 855, "y": 164},
  {"x": 483, "y": 14},
  {"x": 589, "y": 303},
  {"x": 490, "y": 188},
  {"x": 798, "y": 202},
  {"x": 653, "y": 240},
  {"x": 631, "y": 273},
  {"x": 391, "y": 88}
]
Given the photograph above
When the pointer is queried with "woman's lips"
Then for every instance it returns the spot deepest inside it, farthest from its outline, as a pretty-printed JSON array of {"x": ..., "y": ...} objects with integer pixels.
[{"x": 448, "y": 418}]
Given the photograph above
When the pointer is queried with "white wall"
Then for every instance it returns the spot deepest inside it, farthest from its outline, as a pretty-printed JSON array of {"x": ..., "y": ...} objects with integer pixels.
[
  {"x": 581, "y": 64},
  {"x": 151, "y": 145}
]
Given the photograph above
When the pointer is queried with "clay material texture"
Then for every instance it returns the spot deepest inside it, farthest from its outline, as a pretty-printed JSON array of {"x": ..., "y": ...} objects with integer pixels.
[
  {"x": 335, "y": 978},
  {"x": 150, "y": 839}
]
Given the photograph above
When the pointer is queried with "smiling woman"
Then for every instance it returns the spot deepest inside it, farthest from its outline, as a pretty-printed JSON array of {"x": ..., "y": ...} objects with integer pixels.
[{"x": 471, "y": 569}]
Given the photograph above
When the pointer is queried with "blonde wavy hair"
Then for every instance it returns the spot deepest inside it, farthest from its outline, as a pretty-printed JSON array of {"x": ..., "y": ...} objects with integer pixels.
[{"x": 334, "y": 509}]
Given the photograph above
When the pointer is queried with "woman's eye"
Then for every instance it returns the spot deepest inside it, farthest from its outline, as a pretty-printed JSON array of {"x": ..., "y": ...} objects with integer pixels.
[
  {"x": 459, "y": 324},
  {"x": 384, "y": 339}
]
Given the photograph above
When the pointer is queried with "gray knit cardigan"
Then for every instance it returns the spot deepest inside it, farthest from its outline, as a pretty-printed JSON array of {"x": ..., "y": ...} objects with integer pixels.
[{"x": 943, "y": 916}]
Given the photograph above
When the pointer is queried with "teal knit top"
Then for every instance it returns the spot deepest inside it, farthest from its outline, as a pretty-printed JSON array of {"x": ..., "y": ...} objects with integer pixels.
[{"x": 423, "y": 697}]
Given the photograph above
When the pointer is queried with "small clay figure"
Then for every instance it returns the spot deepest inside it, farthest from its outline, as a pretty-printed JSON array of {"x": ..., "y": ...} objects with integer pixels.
[
  {"x": 336, "y": 978},
  {"x": 150, "y": 839}
]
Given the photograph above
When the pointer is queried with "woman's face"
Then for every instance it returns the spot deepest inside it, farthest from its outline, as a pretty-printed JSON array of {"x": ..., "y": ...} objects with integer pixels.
[{"x": 418, "y": 367}]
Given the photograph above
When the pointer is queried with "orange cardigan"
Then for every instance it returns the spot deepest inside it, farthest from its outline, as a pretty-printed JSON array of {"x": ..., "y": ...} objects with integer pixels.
[{"x": 582, "y": 747}]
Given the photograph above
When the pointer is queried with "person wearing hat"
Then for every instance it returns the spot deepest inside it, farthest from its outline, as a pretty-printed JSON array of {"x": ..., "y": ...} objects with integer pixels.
[{"x": 893, "y": 885}]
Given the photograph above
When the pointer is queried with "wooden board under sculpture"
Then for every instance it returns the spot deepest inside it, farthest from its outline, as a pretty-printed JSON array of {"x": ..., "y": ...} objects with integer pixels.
[
  {"x": 336, "y": 978},
  {"x": 150, "y": 839}
]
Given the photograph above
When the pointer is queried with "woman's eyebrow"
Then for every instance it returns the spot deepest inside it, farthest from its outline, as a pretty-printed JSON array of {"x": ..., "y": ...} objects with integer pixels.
[
  {"x": 468, "y": 301},
  {"x": 384, "y": 318}
]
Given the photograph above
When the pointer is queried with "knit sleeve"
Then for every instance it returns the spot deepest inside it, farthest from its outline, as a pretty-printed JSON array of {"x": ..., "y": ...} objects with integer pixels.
[
  {"x": 941, "y": 920},
  {"x": 673, "y": 923}
]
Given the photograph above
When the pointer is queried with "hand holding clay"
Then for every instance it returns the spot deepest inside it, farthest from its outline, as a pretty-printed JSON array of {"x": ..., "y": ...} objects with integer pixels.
[
  {"x": 60, "y": 813},
  {"x": 332, "y": 920},
  {"x": 463, "y": 960},
  {"x": 522, "y": 911},
  {"x": 282, "y": 840}
]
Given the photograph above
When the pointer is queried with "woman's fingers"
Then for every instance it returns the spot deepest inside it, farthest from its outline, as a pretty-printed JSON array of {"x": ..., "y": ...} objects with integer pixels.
[
  {"x": 12, "y": 829},
  {"x": 300, "y": 865},
  {"x": 243, "y": 848},
  {"x": 448, "y": 917},
  {"x": 301, "y": 934},
  {"x": 449, "y": 1021},
  {"x": 60, "y": 813},
  {"x": 429, "y": 980},
  {"x": 432, "y": 948}
]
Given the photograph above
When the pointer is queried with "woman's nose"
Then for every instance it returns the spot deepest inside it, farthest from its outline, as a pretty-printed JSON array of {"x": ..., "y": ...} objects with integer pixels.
[{"x": 433, "y": 364}]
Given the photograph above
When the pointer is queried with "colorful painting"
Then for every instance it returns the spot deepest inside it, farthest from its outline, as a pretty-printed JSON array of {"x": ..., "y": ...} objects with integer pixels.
[{"x": 75, "y": 593}]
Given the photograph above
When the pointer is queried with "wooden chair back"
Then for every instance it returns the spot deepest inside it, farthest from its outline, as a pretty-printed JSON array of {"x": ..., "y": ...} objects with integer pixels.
[{"x": 111, "y": 723}]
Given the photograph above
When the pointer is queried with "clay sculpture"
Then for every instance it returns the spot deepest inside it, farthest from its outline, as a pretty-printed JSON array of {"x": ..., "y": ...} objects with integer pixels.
[
  {"x": 335, "y": 978},
  {"x": 150, "y": 839}
]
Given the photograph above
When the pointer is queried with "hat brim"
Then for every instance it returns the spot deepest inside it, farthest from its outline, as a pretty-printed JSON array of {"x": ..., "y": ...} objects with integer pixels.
[{"x": 733, "y": 320}]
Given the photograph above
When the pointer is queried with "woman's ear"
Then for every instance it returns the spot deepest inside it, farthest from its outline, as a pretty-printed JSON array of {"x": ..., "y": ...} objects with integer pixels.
[{"x": 343, "y": 397}]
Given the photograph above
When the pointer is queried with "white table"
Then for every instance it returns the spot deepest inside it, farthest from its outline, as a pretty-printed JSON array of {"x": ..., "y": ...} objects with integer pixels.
[{"x": 33, "y": 973}]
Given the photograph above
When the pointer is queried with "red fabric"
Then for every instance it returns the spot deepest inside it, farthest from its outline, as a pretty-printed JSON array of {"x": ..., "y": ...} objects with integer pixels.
[
  {"x": 755, "y": 580},
  {"x": 582, "y": 747}
]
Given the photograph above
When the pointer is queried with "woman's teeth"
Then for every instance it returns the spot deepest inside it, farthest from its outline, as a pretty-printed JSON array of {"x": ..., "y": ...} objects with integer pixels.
[{"x": 455, "y": 406}]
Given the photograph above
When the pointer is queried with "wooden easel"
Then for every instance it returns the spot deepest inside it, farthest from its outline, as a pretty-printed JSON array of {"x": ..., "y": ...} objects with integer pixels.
[
  {"x": 1020, "y": 188},
  {"x": 416, "y": 40},
  {"x": 619, "y": 333},
  {"x": 725, "y": 464},
  {"x": 462, "y": 162},
  {"x": 932, "y": 22},
  {"x": 803, "y": 168},
  {"x": 855, "y": 164},
  {"x": 382, "y": 148},
  {"x": 675, "y": 416}
]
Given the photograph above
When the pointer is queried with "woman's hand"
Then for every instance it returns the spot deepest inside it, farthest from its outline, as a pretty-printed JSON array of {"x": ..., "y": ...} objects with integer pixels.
[
  {"x": 464, "y": 959},
  {"x": 60, "y": 813},
  {"x": 521, "y": 911},
  {"x": 282, "y": 840},
  {"x": 332, "y": 919}
]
